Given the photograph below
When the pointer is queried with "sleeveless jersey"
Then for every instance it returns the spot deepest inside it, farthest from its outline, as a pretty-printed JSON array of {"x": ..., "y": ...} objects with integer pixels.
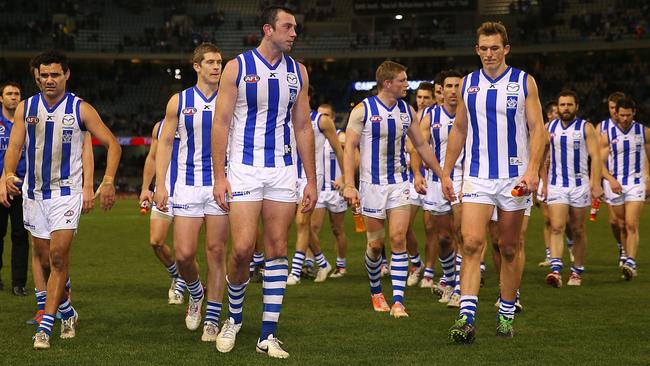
[
  {"x": 54, "y": 142},
  {"x": 626, "y": 153},
  {"x": 5, "y": 130},
  {"x": 172, "y": 169},
  {"x": 569, "y": 154},
  {"x": 331, "y": 168},
  {"x": 497, "y": 133},
  {"x": 440, "y": 124},
  {"x": 383, "y": 142},
  {"x": 319, "y": 143},
  {"x": 194, "y": 130},
  {"x": 261, "y": 132}
]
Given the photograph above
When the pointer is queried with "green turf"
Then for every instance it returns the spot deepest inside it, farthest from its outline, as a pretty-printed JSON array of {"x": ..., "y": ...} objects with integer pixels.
[{"x": 120, "y": 292}]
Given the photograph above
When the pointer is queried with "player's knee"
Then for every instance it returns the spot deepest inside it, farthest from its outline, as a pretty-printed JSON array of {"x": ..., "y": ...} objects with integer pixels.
[
  {"x": 57, "y": 260},
  {"x": 578, "y": 232},
  {"x": 444, "y": 241},
  {"x": 472, "y": 245},
  {"x": 156, "y": 245},
  {"x": 557, "y": 229},
  {"x": 241, "y": 257},
  {"x": 631, "y": 227},
  {"x": 338, "y": 231},
  {"x": 509, "y": 250}
]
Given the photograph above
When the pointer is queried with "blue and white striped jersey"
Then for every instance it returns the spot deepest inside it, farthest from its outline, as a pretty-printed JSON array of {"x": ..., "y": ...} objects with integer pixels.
[
  {"x": 569, "y": 154},
  {"x": 261, "y": 133},
  {"x": 497, "y": 131},
  {"x": 319, "y": 143},
  {"x": 383, "y": 142},
  {"x": 172, "y": 169},
  {"x": 440, "y": 124},
  {"x": 626, "y": 153},
  {"x": 54, "y": 142},
  {"x": 194, "y": 130},
  {"x": 331, "y": 167}
]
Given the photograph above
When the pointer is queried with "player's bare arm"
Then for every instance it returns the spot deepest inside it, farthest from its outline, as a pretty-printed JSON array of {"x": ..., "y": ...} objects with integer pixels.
[
  {"x": 455, "y": 143},
  {"x": 537, "y": 133},
  {"x": 164, "y": 152},
  {"x": 305, "y": 141},
  {"x": 596, "y": 165},
  {"x": 604, "y": 156},
  {"x": 149, "y": 169},
  {"x": 352, "y": 137},
  {"x": 328, "y": 128},
  {"x": 88, "y": 169},
  {"x": 422, "y": 147},
  {"x": 14, "y": 149}
]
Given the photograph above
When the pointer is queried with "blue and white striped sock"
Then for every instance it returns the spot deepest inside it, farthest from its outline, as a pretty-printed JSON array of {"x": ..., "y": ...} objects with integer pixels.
[
  {"x": 68, "y": 284},
  {"x": 340, "y": 262},
  {"x": 236, "y": 300},
  {"x": 296, "y": 263},
  {"x": 374, "y": 274},
  {"x": 556, "y": 265},
  {"x": 429, "y": 273},
  {"x": 459, "y": 263},
  {"x": 548, "y": 254},
  {"x": 46, "y": 324},
  {"x": 482, "y": 267},
  {"x": 66, "y": 309},
  {"x": 630, "y": 262},
  {"x": 415, "y": 260},
  {"x": 40, "y": 299},
  {"x": 212, "y": 312},
  {"x": 507, "y": 309},
  {"x": 577, "y": 270},
  {"x": 196, "y": 289},
  {"x": 180, "y": 285},
  {"x": 384, "y": 261},
  {"x": 309, "y": 263},
  {"x": 468, "y": 305},
  {"x": 448, "y": 270},
  {"x": 173, "y": 270},
  {"x": 399, "y": 266},
  {"x": 321, "y": 260},
  {"x": 257, "y": 261},
  {"x": 273, "y": 286},
  {"x": 569, "y": 243}
]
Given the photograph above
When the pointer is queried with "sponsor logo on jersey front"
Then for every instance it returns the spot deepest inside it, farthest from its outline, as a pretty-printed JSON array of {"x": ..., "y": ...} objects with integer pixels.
[
  {"x": 251, "y": 78},
  {"x": 404, "y": 117},
  {"x": 2, "y": 129},
  {"x": 292, "y": 79},
  {"x": 189, "y": 111},
  {"x": 512, "y": 87},
  {"x": 515, "y": 161},
  {"x": 68, "y": 120}
]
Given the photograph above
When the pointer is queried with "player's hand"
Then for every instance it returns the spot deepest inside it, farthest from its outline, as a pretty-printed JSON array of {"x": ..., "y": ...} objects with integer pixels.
[
  {"x": 615, "y": 186},
  {"x": 4, "y": 197},
  {"x": 106, "y": 196},
  {"x": 351, "y": 195},
  {"x": 12, "y": 188},
  {"x": 531, "y": 179},
  {"x": 160, "y": 198},
  {"x": 420, "y": 184},
  {"x": 88, "y": 197},
  {"x": 222, "y": 193},
  {"x": 338, "y": 183},
  {"x": 145, "y": 195},
  {"x": 545, "y": 191},
  {"x": 448, "y": 189},
  {"x": 597, "y": 191},
  {"x": 309, "y": 197}
]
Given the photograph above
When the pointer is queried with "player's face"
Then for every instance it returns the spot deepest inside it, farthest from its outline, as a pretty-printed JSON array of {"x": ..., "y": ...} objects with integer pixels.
[
  {"x": 437, "y": 90},
  {"x": 552, "y": 114},
  {"x": 625, "y": 116},
  {"x": 612, "y": 109},
  {"x": 450, "y": 90},
  {"x": 492, "y": 51},
  {"x": 52, "y": 79},
  {"x": 326, "y": 111},
  {"x": 567, "y": 108},
  {"x": 283, "y": 34},
  {"x": 10, "y": 97},
  {"x": 37, "y": 80},
  {"x": 398, "y": 86},
  {"x": 210, "y": 68},
  {"x": 423, "y": 98}
]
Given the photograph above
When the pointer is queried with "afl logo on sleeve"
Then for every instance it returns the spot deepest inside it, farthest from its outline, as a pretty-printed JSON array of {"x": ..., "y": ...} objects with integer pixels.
[
  {"x": 251, "y": 78},
  {"x": 32, "y": 120},
  {"x": 473, "y": 89},
  {"x": 375, "y": 119},
  {"x": 189, "y": 111}
]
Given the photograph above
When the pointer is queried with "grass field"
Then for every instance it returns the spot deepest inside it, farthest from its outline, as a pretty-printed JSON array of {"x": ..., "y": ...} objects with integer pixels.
[{"x": 120, "y": 292}]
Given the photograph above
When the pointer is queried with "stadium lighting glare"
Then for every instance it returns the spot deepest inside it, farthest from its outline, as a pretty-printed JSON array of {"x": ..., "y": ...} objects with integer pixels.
[{"x": 399, "y": 17}]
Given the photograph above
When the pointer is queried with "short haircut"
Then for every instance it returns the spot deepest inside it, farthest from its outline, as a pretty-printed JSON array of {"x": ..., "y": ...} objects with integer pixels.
[
  {"x": 388, "y": 70},
  {"x": 10, "y": 83},
  {"x": 568, "y": 93},
  {"x": 328, "y": 106},
  {"x": 270, "y": 15},
  {"x": 627, "y": 103},
  {"x": 451, "y": 73},
  {"x": 426, "y": 86},
  {"x": 491, "y": 29},
  {"x": 201, "y": 50},
  {"x": 50, "y": 57},
  {"x": 548, "y": 107},
  {"x": 615, "y": 96}
]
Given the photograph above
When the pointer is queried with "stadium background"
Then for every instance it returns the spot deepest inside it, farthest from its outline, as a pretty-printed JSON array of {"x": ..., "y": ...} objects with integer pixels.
[{"x": 128, "y": 57}]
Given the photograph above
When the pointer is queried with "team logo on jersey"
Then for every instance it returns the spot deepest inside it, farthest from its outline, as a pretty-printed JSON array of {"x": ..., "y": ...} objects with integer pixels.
[
  {"x": 66, "y": 137},
  {"x": 512, "y": 87},
  {"x": 251, "y": 78},
  {"x": 292, "y": 79},
  {"x": 287, "y": 150},
  {"x": 511, "y": 103},
  {"x": 473, "y": 90},
  {"x": 68, "y": 120},
  {"x": 638, "y": 138},
  {"x": 404, "y": 117},
  {"x": 2, "y": 129},
  {"x": 32, "y": 120},
  {"x": 375, "y": 118},
  {"x": 293, "y": 95},
  {"x": 189, "y": 111}
]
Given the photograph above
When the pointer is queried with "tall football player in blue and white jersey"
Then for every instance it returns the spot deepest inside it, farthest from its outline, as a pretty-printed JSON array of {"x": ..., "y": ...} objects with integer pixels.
[
  {"x": 160, "y": 221},
  {"x": 626, "y": 148},
  {"x": 436, "y": 125},
  {"x": 330, "y": 199},
  {"x": 324, "y": 131},
  {"x": 378, "y": 126},
  {"x": 570, "y": 187},
  {"x": 190, "y": 113},
  {"x": 263, "y": 97},
  {"x": 499, "y": 120},
  {"x": 603, "y": 126},
  {"x": 52, "y": 126}
]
